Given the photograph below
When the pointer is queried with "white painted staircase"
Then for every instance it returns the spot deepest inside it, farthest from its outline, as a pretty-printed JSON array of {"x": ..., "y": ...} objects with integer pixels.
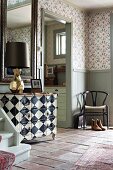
[{"x": 11, "y": 139}]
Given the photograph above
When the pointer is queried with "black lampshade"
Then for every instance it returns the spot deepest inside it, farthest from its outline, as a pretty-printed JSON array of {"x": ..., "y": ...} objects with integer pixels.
[{"x": 17, "y": 55}]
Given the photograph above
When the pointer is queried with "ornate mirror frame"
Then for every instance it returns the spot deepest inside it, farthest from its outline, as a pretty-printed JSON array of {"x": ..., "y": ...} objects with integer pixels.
[{"x": 3, "y": 27}]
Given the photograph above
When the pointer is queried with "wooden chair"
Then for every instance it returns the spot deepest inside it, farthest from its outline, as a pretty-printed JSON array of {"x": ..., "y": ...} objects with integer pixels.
[{"x": 94, "y": 105}]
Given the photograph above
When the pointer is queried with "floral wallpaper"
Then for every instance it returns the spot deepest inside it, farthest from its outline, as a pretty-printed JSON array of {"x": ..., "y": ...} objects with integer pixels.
[
  {"x": 79, "y": 34},
  {"x": 90, "y": 36},
  {"x": 20, "y": 34},
  {"x": 99, "y": 40}
]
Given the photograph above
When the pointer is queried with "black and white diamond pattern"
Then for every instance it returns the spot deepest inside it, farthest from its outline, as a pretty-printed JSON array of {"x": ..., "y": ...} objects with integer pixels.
[
  {"x": 15, "y": 121},
  {"x": 33, "y": 115},
  {"x": 14, "y": 111},
  {"x": 24, "y": 131},
  {"x": 34, "y": 120},
  {"x": 34, "y": 110},
  {"x": 34, "y": 130},
  {"x": 43, "y": 118},
  {"x": 43, "y": 128},
  {"x": 14, "y": 100},
  {"x": 4, "y": 99},
  {"x": 34, "y": 100},
  {"x": 51, "y": 99},
  {"x": 25, "y": 101},
  {"x": 43, "y": 109},
  {"x": 43, "y": 99},
  {"x": 24, "y": 110},
  {"x": 5, "y": 109},
  {"x": 24, "y": 121}
]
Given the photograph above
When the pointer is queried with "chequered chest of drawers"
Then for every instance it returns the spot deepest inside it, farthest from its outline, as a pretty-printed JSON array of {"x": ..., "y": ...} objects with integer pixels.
[{"x": 34, "y": 115}]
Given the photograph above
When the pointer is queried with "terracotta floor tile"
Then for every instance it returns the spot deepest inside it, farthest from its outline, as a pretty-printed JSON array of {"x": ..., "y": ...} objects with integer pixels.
[
  {"x": 34, "y": 166},
  {"x": 17, "y": 168},
  {"x": 55, "y": 154},
  {"x": 36, "y": 153},
  {"x": 70, "y": 157},
  {"x": 47, "y": 162},
  {"x": 69, "y": 148},
  {"x": 64, "y": 166}
]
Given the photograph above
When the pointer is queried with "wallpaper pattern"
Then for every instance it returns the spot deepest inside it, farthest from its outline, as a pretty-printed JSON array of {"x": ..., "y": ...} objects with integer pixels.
[
  {"x": 20, "y": 34},
  {"x": 79, "y": 34},
  {"x": 91, "y": 34},
  {"x": 99, "y": 40}
]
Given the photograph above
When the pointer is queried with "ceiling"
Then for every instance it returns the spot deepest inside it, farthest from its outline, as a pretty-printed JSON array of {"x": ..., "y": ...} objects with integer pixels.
[
  {"x": 19, "y": 17},
  {"x": 91, "y": 4}
]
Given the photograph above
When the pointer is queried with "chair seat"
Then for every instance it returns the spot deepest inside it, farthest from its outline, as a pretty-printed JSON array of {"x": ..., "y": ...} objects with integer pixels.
[{"x": 95, "y": 107}]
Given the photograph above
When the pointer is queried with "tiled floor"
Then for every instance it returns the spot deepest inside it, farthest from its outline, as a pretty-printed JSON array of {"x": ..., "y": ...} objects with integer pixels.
[{"x": 69, "y": 146}]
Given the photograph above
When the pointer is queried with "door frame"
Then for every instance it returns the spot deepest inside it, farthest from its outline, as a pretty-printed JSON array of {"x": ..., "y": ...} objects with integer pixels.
[{"x": 69, "y": 42}]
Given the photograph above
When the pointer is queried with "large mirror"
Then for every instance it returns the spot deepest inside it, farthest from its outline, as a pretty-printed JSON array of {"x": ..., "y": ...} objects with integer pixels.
[{"x": 19, "y": 24}]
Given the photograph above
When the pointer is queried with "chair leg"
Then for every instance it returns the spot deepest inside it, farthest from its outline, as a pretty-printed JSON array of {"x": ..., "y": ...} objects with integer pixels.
[
  {"x": 106, "y": 117},
  {"x": 103, "y": 119},
  {"x": 84, "y": 121},
  {"x": 107, "y": 110}
]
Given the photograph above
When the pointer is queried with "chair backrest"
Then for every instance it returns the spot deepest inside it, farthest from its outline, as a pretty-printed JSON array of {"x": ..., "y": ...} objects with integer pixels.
[
  {"x": 80, "y": 101},
  {"x": 95, "y": 98}
]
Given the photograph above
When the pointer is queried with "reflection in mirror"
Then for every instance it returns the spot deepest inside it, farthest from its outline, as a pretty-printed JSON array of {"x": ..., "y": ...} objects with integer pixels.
[
  {"x": 19, "y": 30},
  {"x": 55, "y": 52},
  {"x": 59, "y": 38},
  {"x": 16, "y": 27}
]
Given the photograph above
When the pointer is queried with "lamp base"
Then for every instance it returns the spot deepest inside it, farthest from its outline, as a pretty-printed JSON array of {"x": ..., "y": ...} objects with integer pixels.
[{"x": 17, "y": 85}]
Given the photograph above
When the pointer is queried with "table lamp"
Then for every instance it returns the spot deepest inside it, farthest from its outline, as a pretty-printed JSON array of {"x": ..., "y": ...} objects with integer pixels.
[{"x": 17, "y": 57}]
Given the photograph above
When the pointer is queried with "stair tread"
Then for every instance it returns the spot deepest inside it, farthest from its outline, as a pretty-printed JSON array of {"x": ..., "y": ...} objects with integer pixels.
[
  {"x": 5, "y": 134},
  {"x": 18, "y": 149}
]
